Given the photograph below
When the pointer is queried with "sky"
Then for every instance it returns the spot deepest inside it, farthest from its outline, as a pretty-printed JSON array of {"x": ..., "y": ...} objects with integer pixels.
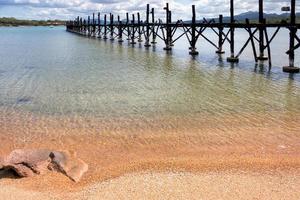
[{"x": 181, "y": 9}]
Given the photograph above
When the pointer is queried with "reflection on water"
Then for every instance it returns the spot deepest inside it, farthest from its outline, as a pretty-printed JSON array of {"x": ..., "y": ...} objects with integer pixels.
[{"x": 49, "y": 71}]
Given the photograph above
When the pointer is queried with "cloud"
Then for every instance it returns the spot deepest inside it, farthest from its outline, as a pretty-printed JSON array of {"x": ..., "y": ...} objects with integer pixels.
[{"x": 181, "y": 9}]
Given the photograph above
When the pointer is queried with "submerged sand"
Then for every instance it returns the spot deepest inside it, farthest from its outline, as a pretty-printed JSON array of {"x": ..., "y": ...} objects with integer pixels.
[{"x": 224, "y": 157}]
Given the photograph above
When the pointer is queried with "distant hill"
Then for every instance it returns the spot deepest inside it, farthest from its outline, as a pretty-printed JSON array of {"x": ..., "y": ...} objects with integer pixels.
[
  {"x": 253, "y": 17},
  {"x": 270, "y": 17},
  {"x": 17, "y": 22}
]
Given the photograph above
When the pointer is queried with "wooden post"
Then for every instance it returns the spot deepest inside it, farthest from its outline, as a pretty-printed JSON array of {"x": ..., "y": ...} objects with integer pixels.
[
  {"x": 193, "y": 41},
  {"x": 293, "y": 30},
  {"x": 232, "y": 58},
  {"x": 147, "y": 37},
  {"x": 139, "y": 28},
  {"x": 111, "y": 27},
  {"x": 133, "y": 30},
  {"x": 99, "y": 27},
  {"x": 93, "y": 26},
  {"x": 89, "y": 26},
  {"x": 261, "y": 31},
  {"x": 84, "y": 27},
  {"x": 120, "y": 28},
  {"x": 220, "y": 43},
  {"x": 168, "y": 29},
  {"x": 81, "y": 26},
  {"x": 105, "y": 28},
  {"x": 153, "y": 27},
  {"x": 128, "y": 27},
  {"x": 78, "y": 25}
]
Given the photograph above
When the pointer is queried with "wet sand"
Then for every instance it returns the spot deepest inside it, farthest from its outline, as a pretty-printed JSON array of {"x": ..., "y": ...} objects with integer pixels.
[{"x": 135, "y": 158}]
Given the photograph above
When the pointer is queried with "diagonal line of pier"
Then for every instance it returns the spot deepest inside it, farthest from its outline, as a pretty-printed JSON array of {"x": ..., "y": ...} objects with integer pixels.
[{"x": 150, "y": 30}]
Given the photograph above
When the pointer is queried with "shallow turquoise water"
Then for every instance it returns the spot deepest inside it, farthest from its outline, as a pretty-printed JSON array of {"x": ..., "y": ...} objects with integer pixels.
[{"x": 50, "y": 71}]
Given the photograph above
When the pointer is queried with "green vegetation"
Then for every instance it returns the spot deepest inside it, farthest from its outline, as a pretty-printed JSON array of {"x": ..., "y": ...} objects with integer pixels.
[
  {"x": 278, "y": 20},
  {"x": 17, "y": 22},
  {"x": 275, "y": 20}
]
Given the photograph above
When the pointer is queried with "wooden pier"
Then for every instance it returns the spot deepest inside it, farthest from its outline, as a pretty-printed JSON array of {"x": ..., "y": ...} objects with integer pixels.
[{"x": 151, "y": 29}]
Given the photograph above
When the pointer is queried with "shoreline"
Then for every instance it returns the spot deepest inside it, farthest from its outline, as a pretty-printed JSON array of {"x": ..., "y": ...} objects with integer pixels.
[
  {"x": 126, "y": 151},
  {"x": 18, "y": 26},
  {"x": 110, "y": 159}
]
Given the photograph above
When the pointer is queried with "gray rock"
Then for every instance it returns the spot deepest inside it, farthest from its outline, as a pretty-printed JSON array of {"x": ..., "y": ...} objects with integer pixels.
[
  {"x": 27, "y": 163},
  {"x": 36, "y": 160},
  {"x": 68, "y": 164}
]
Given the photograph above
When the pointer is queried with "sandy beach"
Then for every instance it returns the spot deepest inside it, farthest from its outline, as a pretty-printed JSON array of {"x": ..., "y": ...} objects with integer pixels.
[
  {"x": 139, "y": 161},
  {"x": 178, "y": 185}
]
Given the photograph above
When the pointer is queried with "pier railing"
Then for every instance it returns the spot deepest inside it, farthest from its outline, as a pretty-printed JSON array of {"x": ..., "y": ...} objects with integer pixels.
[{"x": 152, "y": 29}]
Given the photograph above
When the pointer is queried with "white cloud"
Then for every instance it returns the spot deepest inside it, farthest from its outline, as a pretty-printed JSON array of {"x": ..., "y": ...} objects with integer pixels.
[{"x": 181, "y": 9}]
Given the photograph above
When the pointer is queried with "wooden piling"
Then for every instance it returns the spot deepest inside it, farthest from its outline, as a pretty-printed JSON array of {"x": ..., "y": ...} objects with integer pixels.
[
  {"x": 139, "y": 28},
  {"x": 81, "y": 26},
  {"x": 193, "y": 40},
  {"x": 232, "y": 58},
  {"x": 133, "y": 30},
  {"x": 261, "y": 31},
  {"x": 99, "y": 27},
  {"x": 88, "y": 26},
  {"x": 128, "y": 27},
  {"x": 93, "y": 26},
  {"x": 105, "y": 27},
  {"x": 120, "y": 30},
  {"x": 147, "y": 35},
  {"x": 153, "y": 27},
  {"x": 167, "y": 38},
  {"x": 220, "y": 35},
  {"x": 293, "y": 30},
  {"x": 111, "y": 27}
]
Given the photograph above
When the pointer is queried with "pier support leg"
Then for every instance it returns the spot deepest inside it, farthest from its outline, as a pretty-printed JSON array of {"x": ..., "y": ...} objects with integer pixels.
[
  {"x": 120, "y": 32},
  {"x": 291, "y": 68},
  {"x": 99, "y": 26},
  {"x": 220, "y": 49},
  {"x": 262, "y": 21},
  {"x": 194, "y": 52},
  {"x": 147, "y": 37},
  {"x": 112, "y": 27},
  {"x": 194, "y": 39},
  {"x": 293, "y": 30},
  {"x": 105, "y": 28},
  {"x": 84, "y": 28},
  {"x": 133, "y": 30},
  {"x": 168, "y": 38},
  {"x": 89, "y": 26},
  {"x": 153, "y": 28},
  {"x": 139, "y": 28},
  {"x": 232, "y": 58},
  {"x": 93, "y": 26},
  {"x": 128, "y": 27}
]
